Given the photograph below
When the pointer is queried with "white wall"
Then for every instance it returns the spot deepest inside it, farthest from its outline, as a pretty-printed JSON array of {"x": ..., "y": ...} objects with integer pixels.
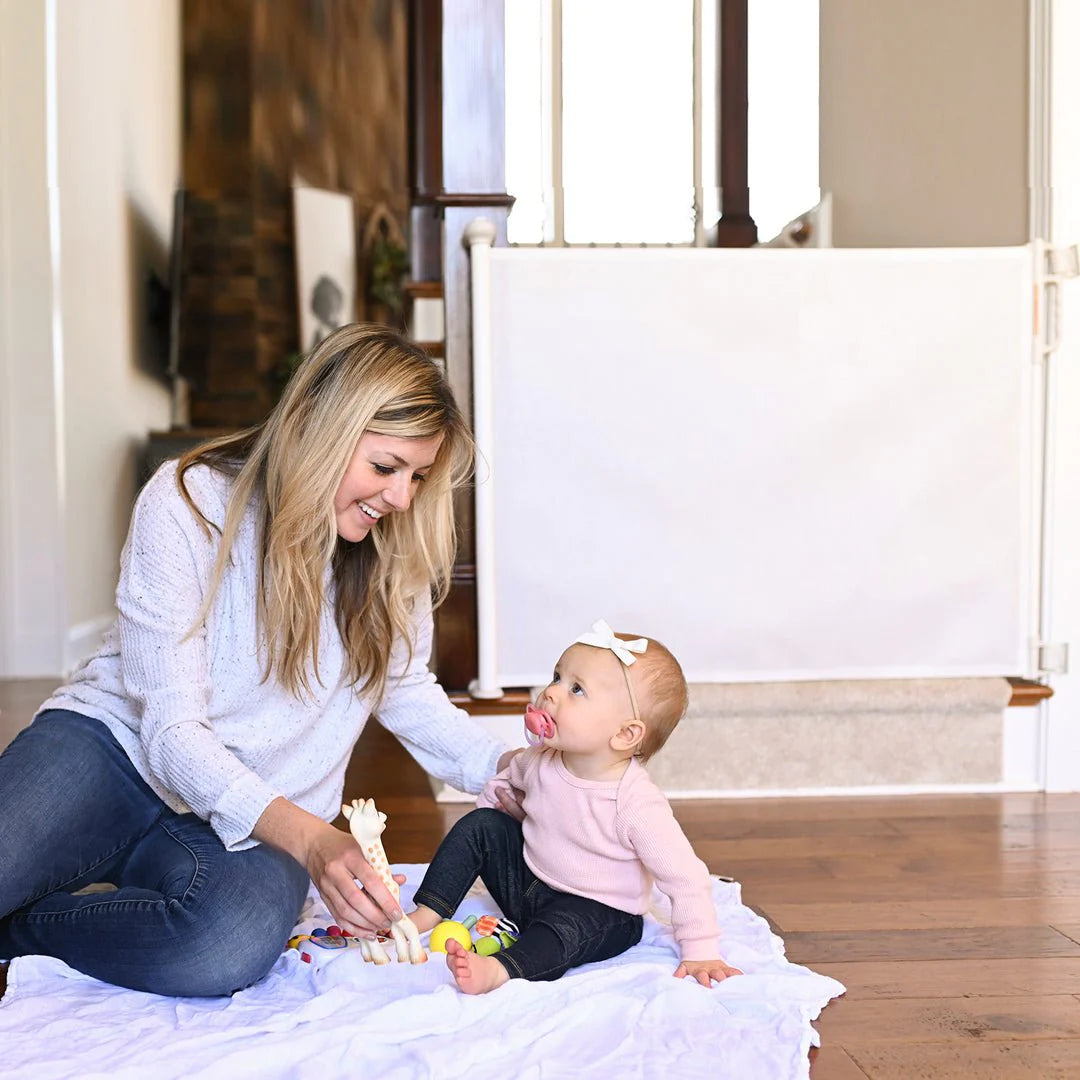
[
  {"x": 118, "y": 96},
  {"x": 115, "y": 88},
  {"x": 1062, "y": 750},
  {"x": 923, "y": 137},
  {"x": 32, "y": 545}
]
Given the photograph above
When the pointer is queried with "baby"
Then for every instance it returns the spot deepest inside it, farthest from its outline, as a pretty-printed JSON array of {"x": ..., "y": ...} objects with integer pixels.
[{"x": 577, "y": 875}]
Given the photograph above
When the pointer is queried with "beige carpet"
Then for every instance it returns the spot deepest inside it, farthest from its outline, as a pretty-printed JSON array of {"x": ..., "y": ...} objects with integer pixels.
[{"x": 781, "y": 736}]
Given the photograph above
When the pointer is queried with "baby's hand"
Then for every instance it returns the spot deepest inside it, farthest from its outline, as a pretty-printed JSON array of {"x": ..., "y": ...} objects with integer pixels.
[{"x": 705, "y": 971}]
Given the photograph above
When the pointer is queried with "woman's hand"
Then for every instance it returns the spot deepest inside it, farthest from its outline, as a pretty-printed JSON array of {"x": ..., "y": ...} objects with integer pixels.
[
  {"x": 509, "y": 797},
  {"x": 336, "y": 865}
]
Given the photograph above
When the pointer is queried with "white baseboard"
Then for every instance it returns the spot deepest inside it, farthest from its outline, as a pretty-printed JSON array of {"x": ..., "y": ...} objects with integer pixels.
[
  {"x": 83, "y": 638},
  {"x": 31, "y": 653}
]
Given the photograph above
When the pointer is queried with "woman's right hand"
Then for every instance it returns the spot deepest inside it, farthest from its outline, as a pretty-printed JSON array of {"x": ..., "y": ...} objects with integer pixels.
[
  {"x": 336, "y": 863},
  {"x": 355, "y": 894}
]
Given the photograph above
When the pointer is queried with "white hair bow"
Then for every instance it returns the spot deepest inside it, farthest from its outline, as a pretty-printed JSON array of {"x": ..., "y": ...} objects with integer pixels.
[{"x": 603, "y": 637}]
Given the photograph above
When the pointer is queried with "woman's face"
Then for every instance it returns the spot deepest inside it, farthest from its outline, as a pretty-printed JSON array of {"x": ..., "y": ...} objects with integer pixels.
[{"x": 382, "y": 478}]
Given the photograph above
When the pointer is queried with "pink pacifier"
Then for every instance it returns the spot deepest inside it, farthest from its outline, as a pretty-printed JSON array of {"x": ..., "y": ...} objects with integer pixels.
[{"x": 538, "y": 725}]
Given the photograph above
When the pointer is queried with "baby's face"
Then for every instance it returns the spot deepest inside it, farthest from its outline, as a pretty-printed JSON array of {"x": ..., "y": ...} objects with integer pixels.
[{"x": 587, "y": 700}]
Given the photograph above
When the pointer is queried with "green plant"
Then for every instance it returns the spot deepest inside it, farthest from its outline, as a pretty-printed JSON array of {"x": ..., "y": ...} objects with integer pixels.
[{"x": 386, "y": 274}]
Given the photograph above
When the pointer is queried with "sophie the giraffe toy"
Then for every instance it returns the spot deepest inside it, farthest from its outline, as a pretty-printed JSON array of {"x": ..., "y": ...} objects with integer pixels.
[{"x": 367, "y": 825}]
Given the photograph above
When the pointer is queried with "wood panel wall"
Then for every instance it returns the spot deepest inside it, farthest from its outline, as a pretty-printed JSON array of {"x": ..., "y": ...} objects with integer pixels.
[{"x": 272, "y": 90}]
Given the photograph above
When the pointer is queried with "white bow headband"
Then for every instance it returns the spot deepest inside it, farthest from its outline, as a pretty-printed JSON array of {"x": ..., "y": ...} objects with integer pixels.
[{"x": 603, "y": 637}]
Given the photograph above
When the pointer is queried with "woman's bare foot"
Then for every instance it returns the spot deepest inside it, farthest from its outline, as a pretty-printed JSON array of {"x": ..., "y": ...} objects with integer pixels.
[
  {"x": 424, "y": 919},
  {"x": 474, "y": 974}
]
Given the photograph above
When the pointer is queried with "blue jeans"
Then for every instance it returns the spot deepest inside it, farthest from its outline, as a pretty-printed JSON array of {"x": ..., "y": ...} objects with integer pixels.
[
  {"x": 558, "y": 930},
  {"x": 187, "y": 918}
]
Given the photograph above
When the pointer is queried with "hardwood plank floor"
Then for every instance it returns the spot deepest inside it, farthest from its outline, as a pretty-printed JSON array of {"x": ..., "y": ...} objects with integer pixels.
[{"x": 954, "y": 921}]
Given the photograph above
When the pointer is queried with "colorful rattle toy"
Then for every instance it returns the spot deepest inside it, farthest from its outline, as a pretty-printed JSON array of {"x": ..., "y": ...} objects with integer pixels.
[
  {"x": 329, "y": 939},
  {"x": 492, "y": 933},
  {"x": 367, "y": 825},
  {"x": 489, "y": 925}
]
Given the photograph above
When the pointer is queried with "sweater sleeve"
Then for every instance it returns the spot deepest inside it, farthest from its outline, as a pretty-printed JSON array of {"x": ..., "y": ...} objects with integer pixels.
[
  {"x": 164, "y": 572},
  {"x": 445, "y": 741},
  {"x": 650, "y": 828}
]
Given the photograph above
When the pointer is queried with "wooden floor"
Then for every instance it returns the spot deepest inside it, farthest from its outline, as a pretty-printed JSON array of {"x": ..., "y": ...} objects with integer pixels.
[{"x": 953, "y": 921}]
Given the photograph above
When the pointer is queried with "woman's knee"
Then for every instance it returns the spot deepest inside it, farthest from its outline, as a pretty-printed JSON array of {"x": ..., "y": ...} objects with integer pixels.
[{"x": 65, "y": 812}]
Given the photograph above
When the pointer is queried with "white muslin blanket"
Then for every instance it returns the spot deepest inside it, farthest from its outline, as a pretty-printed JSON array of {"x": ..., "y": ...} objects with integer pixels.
[{"x": 627, "y": 1017}]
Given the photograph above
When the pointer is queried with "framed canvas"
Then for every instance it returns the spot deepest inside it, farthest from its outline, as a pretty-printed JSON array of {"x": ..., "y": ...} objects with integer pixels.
[{"x": 325, "y": 229}]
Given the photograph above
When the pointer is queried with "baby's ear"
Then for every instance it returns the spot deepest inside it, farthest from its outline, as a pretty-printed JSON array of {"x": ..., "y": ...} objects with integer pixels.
[{"x": 629, "y": 737}]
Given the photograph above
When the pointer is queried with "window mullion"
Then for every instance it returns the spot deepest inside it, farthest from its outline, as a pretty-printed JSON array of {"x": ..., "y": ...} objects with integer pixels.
[
  {"x": 699, "y": 183},
  {"x": 554, "y": 227}
]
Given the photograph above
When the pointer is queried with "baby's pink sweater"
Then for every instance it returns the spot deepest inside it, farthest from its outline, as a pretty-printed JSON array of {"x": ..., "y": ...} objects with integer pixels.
[{"x": 609, "y": 841}]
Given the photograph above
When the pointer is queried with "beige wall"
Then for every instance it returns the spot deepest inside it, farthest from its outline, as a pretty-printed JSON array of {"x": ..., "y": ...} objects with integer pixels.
[
  {"x": 924, "y": 121},
  {"x": 118, "y": 113}
]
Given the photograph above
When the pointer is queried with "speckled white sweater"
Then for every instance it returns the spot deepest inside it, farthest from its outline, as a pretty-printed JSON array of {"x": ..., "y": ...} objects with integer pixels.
[{"x": 196, "y": 719}]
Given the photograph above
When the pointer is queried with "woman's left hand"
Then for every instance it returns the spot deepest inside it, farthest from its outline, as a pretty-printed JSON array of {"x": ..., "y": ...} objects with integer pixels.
[{"x": 510, "y": 797}]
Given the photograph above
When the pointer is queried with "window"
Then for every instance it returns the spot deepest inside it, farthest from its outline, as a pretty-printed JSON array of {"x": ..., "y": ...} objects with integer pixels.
[{"x": 611, "y": 118}]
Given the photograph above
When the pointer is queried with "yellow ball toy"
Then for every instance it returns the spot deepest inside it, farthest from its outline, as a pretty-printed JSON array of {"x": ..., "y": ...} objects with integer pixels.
[{"x": 449, "y": 929}]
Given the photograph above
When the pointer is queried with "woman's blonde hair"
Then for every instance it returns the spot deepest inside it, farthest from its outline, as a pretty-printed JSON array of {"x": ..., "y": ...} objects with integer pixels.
[{"x": 361, "y": 378}]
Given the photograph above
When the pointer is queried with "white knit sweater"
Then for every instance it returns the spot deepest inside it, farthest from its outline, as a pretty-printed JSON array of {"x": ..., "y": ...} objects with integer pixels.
[{"x": 196, "y": 719}]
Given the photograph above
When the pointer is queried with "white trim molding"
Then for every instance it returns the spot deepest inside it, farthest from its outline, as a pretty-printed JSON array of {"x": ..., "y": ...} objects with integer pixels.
[
  {"x": 480, "y": 236},
  {"x": 1055, "y": 182},
  {"x": 83, "y": 638},
  {"x": 33, "y": 560}
]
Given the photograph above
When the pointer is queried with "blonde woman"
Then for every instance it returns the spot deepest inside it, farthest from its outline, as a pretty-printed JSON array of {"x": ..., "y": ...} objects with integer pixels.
[{"x": 275, "y": 591}]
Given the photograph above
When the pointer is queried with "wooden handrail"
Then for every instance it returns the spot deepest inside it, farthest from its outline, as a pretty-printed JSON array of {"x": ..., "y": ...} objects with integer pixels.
[{"x": 1027, "y": 693}]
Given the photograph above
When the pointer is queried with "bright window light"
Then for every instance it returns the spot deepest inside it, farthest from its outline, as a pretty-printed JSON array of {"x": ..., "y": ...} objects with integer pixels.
[
  {"x": 600, "y": 118},
  {"x": 628, "y": 121},
  {"x": 782, "y": 84}
]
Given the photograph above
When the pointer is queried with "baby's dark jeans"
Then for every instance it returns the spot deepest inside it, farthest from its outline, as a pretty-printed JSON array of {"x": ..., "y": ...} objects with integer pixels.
[{"x": 558, "y": 930}]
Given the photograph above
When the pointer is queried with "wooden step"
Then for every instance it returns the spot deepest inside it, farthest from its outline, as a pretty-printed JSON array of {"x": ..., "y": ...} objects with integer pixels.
[
  {"x": 424, "y": 290},
  {"x": 1025, "y": 694},
  {"x": 512, "y": 701}
]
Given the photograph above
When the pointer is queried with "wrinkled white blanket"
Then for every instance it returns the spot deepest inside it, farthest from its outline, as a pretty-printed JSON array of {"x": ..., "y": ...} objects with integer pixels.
[{"x": 624, "y": 1018}]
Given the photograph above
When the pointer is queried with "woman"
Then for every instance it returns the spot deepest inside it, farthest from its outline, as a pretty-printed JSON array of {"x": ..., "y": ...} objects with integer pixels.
[{"x": 275, "y": 590}]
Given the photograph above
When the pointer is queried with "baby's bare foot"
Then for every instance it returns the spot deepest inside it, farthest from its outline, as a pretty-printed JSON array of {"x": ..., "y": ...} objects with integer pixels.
[{"x": 474, "y": 974}]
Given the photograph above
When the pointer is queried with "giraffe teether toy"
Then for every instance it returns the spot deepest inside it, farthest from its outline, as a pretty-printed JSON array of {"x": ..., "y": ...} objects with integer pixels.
[{"x": 367, "y": 825}]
